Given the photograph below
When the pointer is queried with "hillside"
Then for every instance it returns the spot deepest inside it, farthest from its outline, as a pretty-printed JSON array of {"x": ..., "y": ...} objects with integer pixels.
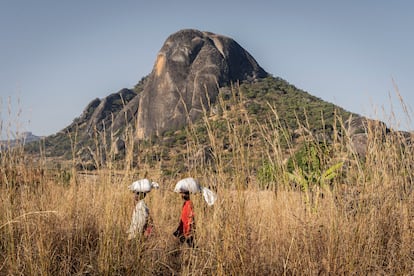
[
  {"x": 181, "y": 103},
  {"x": 265, "y": 101}
]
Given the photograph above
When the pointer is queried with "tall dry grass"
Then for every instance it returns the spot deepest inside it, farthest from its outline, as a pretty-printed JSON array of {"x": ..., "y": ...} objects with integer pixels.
[{"x": 363, "y": 224}]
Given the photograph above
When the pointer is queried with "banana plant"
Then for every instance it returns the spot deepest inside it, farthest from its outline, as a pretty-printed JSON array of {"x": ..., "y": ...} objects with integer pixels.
[
  {"x": 329, "y": 174},
  {"x": 314, "y": 181}
]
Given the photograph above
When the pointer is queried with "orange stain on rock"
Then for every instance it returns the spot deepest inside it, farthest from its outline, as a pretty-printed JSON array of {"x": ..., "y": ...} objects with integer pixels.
[{"x": 160, "y": 64}]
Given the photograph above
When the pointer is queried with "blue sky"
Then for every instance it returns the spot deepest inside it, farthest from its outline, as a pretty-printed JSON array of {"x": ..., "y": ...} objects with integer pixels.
[{"x": 57, "y": 56}]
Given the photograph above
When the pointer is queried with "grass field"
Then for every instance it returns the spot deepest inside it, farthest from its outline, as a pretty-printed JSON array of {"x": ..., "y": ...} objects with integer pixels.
[{"x": 360, "y": 222}]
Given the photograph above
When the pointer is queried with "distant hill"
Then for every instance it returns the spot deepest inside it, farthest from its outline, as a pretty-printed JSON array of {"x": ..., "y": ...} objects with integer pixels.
[
  {"x": 196, "y": 74},
  {"x": 22, "y": 139}
]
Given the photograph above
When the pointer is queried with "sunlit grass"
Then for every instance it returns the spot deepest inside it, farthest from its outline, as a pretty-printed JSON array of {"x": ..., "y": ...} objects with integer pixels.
[{"x": 51, "y": 224}]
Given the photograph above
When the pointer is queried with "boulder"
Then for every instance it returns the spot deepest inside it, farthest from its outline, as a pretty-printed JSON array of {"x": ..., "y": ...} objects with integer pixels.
[{"x": 185, "y": 80}]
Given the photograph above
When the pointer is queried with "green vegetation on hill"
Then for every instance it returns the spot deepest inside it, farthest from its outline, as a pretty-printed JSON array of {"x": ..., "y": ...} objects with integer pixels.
[
  {"x": 246, "y": 108},
  {"x": 263, "y": 113},
  {"x": 294, "y": 106}
]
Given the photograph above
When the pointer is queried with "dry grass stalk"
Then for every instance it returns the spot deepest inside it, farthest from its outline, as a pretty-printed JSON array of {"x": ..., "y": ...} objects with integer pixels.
[{"x": 364, "y": 225}]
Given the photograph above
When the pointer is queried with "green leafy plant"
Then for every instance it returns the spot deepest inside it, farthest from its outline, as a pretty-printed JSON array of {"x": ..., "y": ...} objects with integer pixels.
[
  {"x": 267, "y": 175},
  {"x": 309, "y": 169}
]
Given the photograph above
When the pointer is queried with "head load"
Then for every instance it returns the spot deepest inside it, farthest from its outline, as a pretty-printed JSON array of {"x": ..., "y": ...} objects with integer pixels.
[
  {"x": 143, "y": 186},
  {"x": 191, "y": 185}
]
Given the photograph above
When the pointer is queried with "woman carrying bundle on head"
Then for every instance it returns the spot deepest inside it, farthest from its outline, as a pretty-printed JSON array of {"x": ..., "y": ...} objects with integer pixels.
[
  {"x": 186, "y": 227},
  {"x": 141, "y": 222}
]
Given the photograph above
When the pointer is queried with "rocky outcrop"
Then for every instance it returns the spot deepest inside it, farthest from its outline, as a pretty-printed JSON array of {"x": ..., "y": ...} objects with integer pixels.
[
  {"x": 189, "y": 69},
  {"x": 361, "y": 130},
  {"x": 108, "y": 108},
  {"x": 114, "y": 111},
  {"x": 127, "y": 116},
  {"x": 185, "y": 80}
]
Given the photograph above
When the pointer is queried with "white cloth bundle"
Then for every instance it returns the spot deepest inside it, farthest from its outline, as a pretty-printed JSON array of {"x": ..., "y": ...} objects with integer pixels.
[
  {"x": 143, "y": 186},
  {"x": 191, "y": 185}
]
